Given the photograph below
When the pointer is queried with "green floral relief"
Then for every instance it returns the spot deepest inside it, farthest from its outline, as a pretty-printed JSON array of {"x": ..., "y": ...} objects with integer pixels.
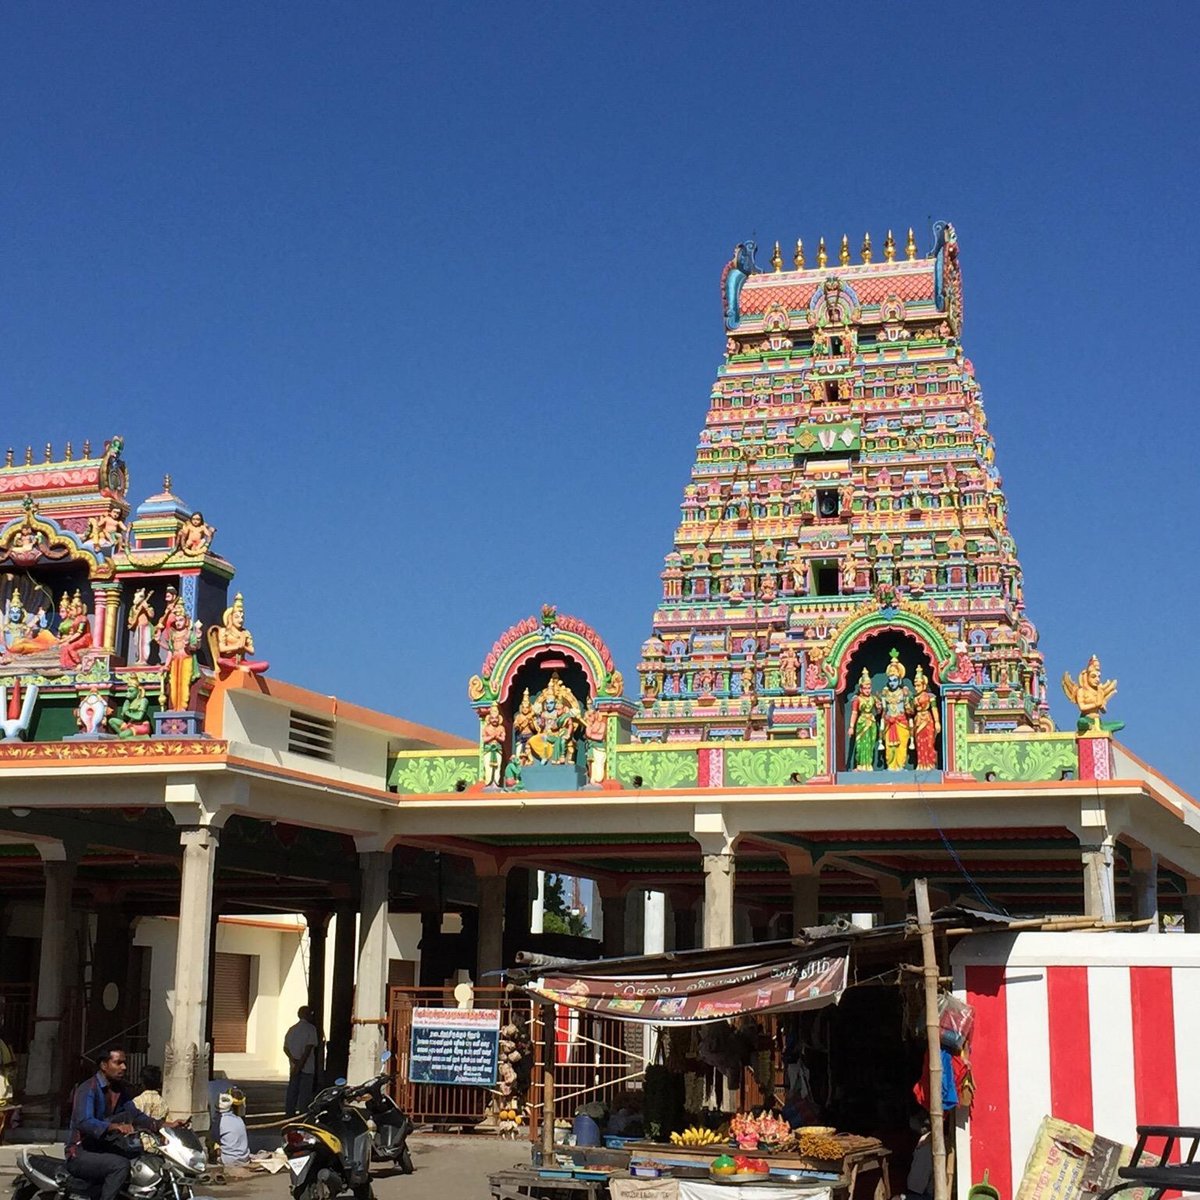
[
  {"x": 770, "y": 766},
  {"x": 659, "y": 769},
  {"x": 430, "y": 773},
  {"x": 1021, "y": 759}
]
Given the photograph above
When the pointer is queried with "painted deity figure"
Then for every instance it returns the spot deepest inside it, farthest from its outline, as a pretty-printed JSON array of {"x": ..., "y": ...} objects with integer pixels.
[
  {"x": 133, "y": 717},
  {"x": 926, "y": 722},
  {"x": 798, "y": 567},
  {"x": 595, "y": 729},
  {"x": 234, "y": 642},
  {"x": 141, "y": 627},
  {"x": 864, "y": 724},
  {"x": 747, "y": 680},
  {"x": 895, "y": 707},
  {"x": 492, "y": 740},
  {"x": 1091, "y": 697},
  {"x": 162, "y": 628},
  {"x": 74, "y": 634},
  {"x": 557, "y": 713},
  {"x": 524, "y": 727},
  {"x": 789, "y": 669},
  {"x": 25, "y": 632},
  {"x": 512, "y": 775},
  {"x": 107, "y": 531},
  {"x": 183, "y": 640},
  {"x": 194, "y": 536}
]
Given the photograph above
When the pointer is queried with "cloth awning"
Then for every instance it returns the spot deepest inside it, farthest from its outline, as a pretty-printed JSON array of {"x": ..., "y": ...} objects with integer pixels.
[{"x": 687, "y": 993}]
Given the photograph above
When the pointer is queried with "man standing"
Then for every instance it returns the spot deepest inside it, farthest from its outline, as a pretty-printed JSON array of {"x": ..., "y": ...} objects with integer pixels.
[
  {"x": 300, "y": 1045},
  {"x": 103, "y": 1107}
]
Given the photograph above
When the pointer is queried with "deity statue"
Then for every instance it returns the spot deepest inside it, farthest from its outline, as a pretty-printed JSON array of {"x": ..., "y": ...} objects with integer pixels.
[
  {"x": 107, "y": 531},
  {"x": 194, "y": 536},
  {"x": 1091, "y": 697},
  {"x": 90, "y": 714},
  {"x": 558, "y": 715},
  {"x": 141, "y": 626},
  {"x": 74, "y": 634},
  {"x": 182, "y": 641},
  {"x": 524, "y": 727},
  {"x": 766, "y": 591},
  {"x": 798, "y": 566},
  {"x": 616, "y": 683},
  {"x": 849, "y": 574},
  {"x": 25, "y": 632},
  {"x": 231, "y": 643},
  {"x": 864, "y": 724},
  {"x": 926, "y": 722},
  {"x": 595, "y": 729},
  {"x": 895, "y": 706},
  {"x": 747, "y": 680},
  {"x": 133, "y": 717},
  {"x": 493, "y": 738},
  {"x": 162, "y": 628},
  {"x": 789, "y": 669},
  {"x": 512, "y": 775}
]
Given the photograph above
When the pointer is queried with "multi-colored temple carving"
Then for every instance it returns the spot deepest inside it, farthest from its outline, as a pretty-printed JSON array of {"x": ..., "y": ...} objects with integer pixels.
[
  {"x": 843, "y": 579},
  {"x": 110, "y": 617}
]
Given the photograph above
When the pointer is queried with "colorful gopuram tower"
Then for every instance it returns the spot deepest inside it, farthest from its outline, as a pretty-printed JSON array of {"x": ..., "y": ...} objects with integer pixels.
[{"x": 844, "y": 520}]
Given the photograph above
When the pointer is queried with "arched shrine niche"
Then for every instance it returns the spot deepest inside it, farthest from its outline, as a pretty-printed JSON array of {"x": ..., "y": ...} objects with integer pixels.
[
  {"x": 889, "y": 704},
  {"x": 544, "y": 707}
]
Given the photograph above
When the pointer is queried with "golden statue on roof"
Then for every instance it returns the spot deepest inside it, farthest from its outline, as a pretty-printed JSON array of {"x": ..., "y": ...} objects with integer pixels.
[{"x": 1091, "y": 697}]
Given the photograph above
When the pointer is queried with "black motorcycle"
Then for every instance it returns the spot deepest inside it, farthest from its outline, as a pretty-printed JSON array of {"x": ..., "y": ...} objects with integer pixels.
[
  {"x": 167, "y": 1172},
  {"x": 328, "y": 1149},
  {"x": 390, "y": 1125}
]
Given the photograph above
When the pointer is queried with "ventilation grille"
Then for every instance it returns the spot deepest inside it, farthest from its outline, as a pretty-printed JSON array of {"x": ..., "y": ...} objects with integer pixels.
[{"x": 311, "y": 736}]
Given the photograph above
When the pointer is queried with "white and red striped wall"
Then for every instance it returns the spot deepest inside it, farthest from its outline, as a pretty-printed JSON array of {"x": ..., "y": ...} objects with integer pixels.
[{"x": 1099, "y": 1029}]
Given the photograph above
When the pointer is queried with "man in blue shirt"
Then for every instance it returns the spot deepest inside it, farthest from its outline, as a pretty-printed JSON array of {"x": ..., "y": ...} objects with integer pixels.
[{"x": 103, "y": 1107}]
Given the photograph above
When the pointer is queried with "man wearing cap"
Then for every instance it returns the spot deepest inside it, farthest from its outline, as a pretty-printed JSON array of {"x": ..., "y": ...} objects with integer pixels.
[{"x": 232, "y": 1139}]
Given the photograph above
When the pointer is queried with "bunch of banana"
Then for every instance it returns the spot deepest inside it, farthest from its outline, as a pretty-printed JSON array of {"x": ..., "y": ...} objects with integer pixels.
[{"x": 694, "y": 1135}]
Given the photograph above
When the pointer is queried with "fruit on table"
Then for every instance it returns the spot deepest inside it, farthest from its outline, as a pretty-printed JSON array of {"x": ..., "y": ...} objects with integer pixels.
[
  {"x": 723, "y": 1165},
  {"x": 757, "y": 1166},
  {"x": 694, "y": 1135}
]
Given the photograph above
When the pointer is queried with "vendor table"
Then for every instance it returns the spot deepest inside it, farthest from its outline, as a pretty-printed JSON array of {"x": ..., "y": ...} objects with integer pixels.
[
  {"x": 865, "y": 1156},
  {"x": 699, "y": 1189},
  {"x": 520, "y": 1183}
]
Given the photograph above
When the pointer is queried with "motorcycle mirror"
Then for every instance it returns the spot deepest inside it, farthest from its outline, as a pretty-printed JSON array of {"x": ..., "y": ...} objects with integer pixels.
[
  {"x": 385, "y": 1056},
  {"x": 339, "y": 1083}
]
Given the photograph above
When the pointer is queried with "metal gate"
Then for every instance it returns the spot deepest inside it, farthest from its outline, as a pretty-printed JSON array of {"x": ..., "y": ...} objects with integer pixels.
[{"x": 595, "y": 1057}]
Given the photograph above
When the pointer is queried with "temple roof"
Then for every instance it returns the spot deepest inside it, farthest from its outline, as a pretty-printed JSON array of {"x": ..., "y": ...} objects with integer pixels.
[{"x": 872, "y": 283}]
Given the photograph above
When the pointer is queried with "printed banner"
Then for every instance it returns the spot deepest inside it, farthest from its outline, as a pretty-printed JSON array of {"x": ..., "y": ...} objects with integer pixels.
[
  {"x": 689, "y": 997},
  {"x": 455, "y": 1045}
]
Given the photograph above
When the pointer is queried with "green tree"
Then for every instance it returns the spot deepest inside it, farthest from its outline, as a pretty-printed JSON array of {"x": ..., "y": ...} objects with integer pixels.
[{"x": 558, "y": 916}]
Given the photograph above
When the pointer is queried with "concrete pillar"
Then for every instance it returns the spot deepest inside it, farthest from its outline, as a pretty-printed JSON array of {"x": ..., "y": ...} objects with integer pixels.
[
  {"x": 44, "y": 1074},
  {"x": 318, "y": 925},
  {"x": 1099, "y": 887},
  {"x": 371, "y": 978},
  {"x": 1191, "y": 907},
  {"x": 654, "y": 923},
  {"x": 805, "y": 878},
  {"x": 187, "y": 1057},
  {"x": 685, "y": 923},
  {"x": 613, "y": 908},
  {"x": 489, "y": 951},
  {"x": 1143, "y": 883},
  {"x": 537, "y": 912},
  {"x": 635, "y": 921},
  {"x": 718, "y": 899},
  {"x": 895, "y": 903},
  {"x": 341, "y": 1001},
  {"x": 111, "y": 1008},
  {"x": 518, "y": 907}
]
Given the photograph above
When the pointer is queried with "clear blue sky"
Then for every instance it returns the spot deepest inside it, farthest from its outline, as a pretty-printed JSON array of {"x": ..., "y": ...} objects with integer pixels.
[{"x": 419, "y": 302}]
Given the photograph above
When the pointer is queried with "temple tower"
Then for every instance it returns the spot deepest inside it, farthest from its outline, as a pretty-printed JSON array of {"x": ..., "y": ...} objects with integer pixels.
[{"x": 845, "y": 502}]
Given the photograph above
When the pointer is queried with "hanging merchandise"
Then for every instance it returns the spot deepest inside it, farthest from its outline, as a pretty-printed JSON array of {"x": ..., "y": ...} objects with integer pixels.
[{"x": 956, "y": 1020}]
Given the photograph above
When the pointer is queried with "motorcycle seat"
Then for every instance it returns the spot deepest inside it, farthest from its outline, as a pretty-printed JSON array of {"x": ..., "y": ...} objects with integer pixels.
[{"x": 47, "y": 1164}]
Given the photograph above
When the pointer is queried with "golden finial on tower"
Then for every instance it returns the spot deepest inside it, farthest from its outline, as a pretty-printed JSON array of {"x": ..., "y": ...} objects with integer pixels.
[
  {"x": 68, "y": 454},
  {"x": 844, "y": 252},
  {"x": 910, "y": 247},
  {"x": 49, "y": 452},
  {"x": 8, "y": 458},
  {"x": 87, "y": 447},
  {"x": 889, "y": 247},
  {"x": 866, "y": 247},
  {"x": 28, "y": 456},
  {"x": 777, "y": 259},
  {"x": 167, "y": 484},
  {"x": 798, "y": 257},
  {"x": 822, "y": 256}
]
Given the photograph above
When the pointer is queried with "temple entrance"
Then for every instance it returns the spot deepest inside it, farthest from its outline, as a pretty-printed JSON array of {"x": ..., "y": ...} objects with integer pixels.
[
  {"x": 897, "y": 745},
  {"x": 543, "y": 714}
]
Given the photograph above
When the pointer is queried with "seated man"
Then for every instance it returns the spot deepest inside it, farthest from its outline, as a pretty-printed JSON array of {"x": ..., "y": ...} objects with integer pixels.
[
  {"x": 103, "y": 1107},
  {"x": 232, "y": 1140}
]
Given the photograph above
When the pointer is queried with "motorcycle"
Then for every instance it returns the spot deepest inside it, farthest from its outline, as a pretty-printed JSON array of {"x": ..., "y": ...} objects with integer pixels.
[
  {"x": 329, "y": 1150},
  {"x": 390, "y": 1125},
  {"x": 166, "y": 1172}
]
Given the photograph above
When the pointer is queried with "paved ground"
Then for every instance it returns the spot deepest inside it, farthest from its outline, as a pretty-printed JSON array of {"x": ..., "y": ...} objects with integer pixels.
[{"x": 447, "y": 1168}]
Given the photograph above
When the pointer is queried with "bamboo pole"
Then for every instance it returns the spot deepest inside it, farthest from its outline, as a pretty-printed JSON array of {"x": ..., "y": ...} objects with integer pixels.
[
  {"x": 937, "y": 1128},
  {"x": 549, "y": 1051}
]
